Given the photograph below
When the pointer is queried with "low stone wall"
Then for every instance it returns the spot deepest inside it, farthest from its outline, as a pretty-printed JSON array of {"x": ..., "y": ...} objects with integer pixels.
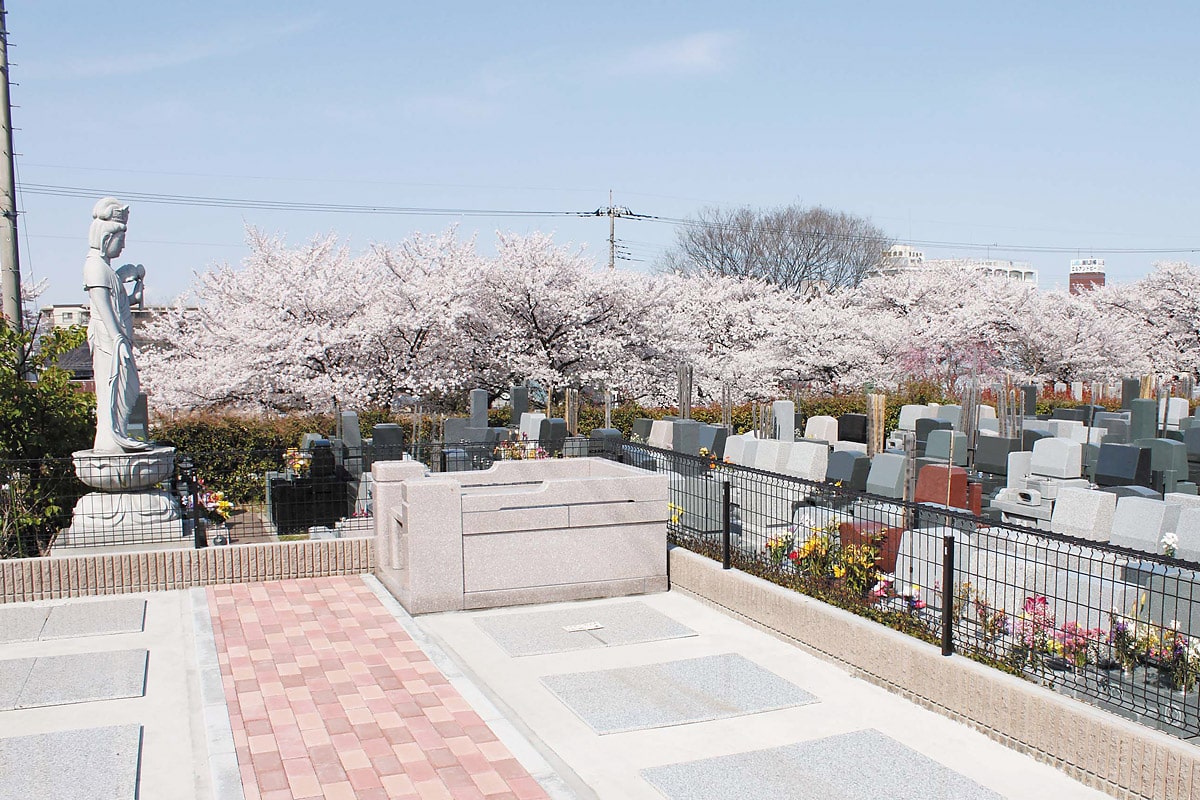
[
  {"x": 28, "y": 579},
  {"x": 1096, "y": 748}
]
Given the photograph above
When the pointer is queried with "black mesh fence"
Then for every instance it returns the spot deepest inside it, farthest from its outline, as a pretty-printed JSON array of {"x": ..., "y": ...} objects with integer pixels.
[{"x": 1115, "y": 627}]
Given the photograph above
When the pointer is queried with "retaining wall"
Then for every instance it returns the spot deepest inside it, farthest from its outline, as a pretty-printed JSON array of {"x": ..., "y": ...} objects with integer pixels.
[{"x": 28, "y": 579}]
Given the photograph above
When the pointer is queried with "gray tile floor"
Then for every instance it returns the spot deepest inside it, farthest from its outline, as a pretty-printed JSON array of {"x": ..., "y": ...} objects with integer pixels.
[
  {"x": 86, "y": 764},
  {"x": 79, "y": 678},
  {"x": 582, "y": 628},
  {"x": 27, "y": 623},
  {"x": 674, "y": 693},
  {"x": 861, "y": 765}
]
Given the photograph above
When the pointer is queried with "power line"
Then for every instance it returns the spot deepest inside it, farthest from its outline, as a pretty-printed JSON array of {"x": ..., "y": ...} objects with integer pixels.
[{"x": 610, "y": 211}]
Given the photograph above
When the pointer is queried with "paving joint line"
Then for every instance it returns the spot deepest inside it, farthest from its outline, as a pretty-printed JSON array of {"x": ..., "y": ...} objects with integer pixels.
[
  {"x": 517, "y": 741},
  {"x": 222, "y": 755}
]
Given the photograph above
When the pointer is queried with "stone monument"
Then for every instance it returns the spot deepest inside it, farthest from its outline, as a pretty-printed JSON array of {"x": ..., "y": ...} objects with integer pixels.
[{"x": 127, "y": 509}]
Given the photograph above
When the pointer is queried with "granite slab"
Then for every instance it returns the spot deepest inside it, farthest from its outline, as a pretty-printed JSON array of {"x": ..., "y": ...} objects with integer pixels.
[
  {"x": 580, "y": 628},
  {"x": 123, "y": 615},
  {"x": 85, "y": 764},
  {"x": 14, "y": 672},
  {"x": 22, "y": 623},
  {"x": 84, "y": 677},
  {"x": 860, "y": 765},
  {"x": 674, "y": 693}
]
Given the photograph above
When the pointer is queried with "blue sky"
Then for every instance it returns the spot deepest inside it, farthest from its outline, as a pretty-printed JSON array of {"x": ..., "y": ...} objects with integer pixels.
[{"x": 1029, "y": 124}]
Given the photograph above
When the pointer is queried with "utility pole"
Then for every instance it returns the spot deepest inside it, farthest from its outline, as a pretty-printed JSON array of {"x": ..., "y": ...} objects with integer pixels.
[
  {"x": 612, "y": 212},
  {"x": 10, "y": 262}
]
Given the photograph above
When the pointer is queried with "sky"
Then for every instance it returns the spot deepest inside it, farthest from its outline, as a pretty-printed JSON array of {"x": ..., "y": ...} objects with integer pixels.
[{"x": 972, "y": 129}]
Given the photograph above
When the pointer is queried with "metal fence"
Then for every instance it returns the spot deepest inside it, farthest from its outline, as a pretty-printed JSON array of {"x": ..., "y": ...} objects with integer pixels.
[
  {"x": 199, "y": 499},
  {"x": 1116, "y": 627}
]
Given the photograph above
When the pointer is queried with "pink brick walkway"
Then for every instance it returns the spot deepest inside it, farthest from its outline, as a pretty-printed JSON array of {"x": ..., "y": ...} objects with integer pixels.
[{"x": 329, "y": 697}]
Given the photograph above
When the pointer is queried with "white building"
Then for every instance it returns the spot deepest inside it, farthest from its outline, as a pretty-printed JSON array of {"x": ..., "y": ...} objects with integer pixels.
[{"x": 901, "y": 258}]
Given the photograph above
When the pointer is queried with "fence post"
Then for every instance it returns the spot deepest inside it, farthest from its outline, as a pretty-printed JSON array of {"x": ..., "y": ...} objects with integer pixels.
[
  {"x": 948, "y": 594},
  {"x": 187, "y": 471},
  {"x": 442, "y": 459},
  {"x": 726, "y": 523}
]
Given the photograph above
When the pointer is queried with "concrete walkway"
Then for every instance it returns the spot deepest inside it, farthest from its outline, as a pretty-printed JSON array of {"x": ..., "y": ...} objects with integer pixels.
[{"x": 326, "y": 688}]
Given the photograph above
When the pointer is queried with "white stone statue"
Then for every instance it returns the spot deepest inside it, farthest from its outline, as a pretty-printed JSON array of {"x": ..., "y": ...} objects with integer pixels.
[{"x": 110, "y": 331}]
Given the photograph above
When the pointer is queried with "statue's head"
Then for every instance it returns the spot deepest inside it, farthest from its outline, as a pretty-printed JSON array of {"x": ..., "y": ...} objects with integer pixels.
[{"x": 109, "y": 221}]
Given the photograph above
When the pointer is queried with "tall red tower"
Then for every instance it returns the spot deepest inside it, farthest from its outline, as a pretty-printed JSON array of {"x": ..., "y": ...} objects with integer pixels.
[{"x": 1086, "y": 274}]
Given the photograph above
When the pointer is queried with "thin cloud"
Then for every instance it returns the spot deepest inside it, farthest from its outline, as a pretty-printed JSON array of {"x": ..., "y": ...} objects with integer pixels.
[
  {"x": 221, "y": 43},
  {"x": 697, "y": 54}
]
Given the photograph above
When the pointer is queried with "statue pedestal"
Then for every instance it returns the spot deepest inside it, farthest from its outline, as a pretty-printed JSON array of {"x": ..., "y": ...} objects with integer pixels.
[{"x": 127, "y": 511}]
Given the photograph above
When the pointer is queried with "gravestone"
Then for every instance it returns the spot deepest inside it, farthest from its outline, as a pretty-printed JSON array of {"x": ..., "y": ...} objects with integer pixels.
[
  {"x": 518, "y": 401},
  {"x": 822, "y": 428},
  {"x": 986, "y": 412},
  {"x": 886, "y": 477},
  {"x": 531, "y": 425},
  {"x": 1131, "y": 389},
  {"x": 850, "y": 469},
  {"x": 1076, "y": 390},
  {"x": 661, "y": 434},
  {"x": 991, "y": 454},
  {"x": 1122, "y": 465},
  {"x": 685, "y": 436},
  {"x": 1168, "y": 462},
  {"x": 1060, "y": 387},
  {"x": 454, "y": 429},
  {"x": 943, "y": 486},
  {"x": 1143, "y": 414},
  {"x": 807, "y": 460},
  {"x": 352, "y": 444},
  {"x": 1057, "y": 458},
  {"x": 1029, "y": 393},
  {"x": 1132, "y": 491},
  {"x": 749, "y": 449},
  {"x": 387, "y": 442},
  {"x": 1117, "y": 431},
  {"x": 923, "y": 428},
  {"x": 852, "y": 428},
  {"x": 770, "y": 455},
  {"x": 1029, "y": 438},
  {"x": 909, "y": 414},
  {"x": 1084, "y": 514},
  {"x": 944, "y": 444},
  {"x": 552, "y": 433},
  {"x": 1171, "y": 410},
  {"x": 950, "y": 413},
  {"x": 735, "y": 446},
  {"x": 139, "y": 418},
  {"x": 605, "y": 442},
  {"x": 783, "y": 415},
  {"x": 479, "y": 408},
  {"x": 1063, "y": 427},
  {"x": 1018, "y": 468},
  {"x": 1188, "y": 531},
  {"x": 712, "y": 439},
  {"x": 309, "y": 439},
  {"x": 1139, "y": 523},
  {"x": 989, "y": 426},
  {"x": 641, "y": 428}
]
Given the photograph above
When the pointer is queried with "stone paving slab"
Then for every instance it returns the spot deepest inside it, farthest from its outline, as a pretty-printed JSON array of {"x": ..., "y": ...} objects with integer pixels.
[
  {"x": 86, "y": 764},
  {"x": 123, "y": 615},
  {"x": 83, "y": 678},
  {"x": 861, "y": 765},
  {"x": 561, "y": 631},
  {"x": 13, "y": 674},
  {"x": 22, "y": 623},
  {"x": 674, "y": 693},
  {"x": 329, "y": 697}
]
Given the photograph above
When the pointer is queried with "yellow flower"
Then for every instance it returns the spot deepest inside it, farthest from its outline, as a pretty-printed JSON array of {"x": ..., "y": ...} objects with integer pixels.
[{"x": 839, "y": 571}]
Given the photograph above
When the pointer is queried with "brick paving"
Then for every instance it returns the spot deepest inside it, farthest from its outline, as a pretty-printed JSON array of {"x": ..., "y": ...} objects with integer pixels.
[{"x": 330, "y": 698}]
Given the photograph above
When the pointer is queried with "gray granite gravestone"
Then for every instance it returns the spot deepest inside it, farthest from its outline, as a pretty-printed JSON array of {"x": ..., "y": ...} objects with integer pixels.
[
  {"x": 1143, "y": 419},
  {"x": 886, "y": 477},
  {"x": 1131, "y": 389},
  {"x": 1168, "y": 462},
  {"x": 455, "y": 429},
  {"x": 552, "y": 434},
  {"x": 605, "y": 442},
  {"x": 712, "y": 439},
  {"x": 642, "y": 427},
  {"x": 519, "y": 403},
  {"x": 1084, "y": 514},
  {"x": 1029, "y": 394},
  {"x": 479, "y": 408},
  {"x": 850, "y": 469},
  {"x": 1139, "y": 523},
  {"x": 685, "y": 436}
]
